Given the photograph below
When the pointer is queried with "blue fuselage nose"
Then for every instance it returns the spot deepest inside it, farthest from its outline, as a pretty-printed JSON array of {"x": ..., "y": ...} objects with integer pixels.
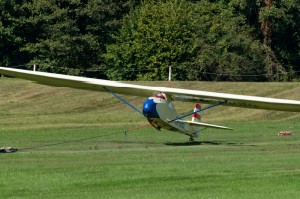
[{"x": 149, "y": 109}]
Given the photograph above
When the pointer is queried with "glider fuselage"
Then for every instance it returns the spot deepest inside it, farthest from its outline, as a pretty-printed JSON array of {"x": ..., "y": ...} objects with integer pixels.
[{"x": 160, "y": 113}]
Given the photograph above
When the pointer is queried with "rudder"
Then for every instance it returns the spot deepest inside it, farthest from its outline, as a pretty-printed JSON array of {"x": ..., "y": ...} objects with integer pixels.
[{"x": 196, "y": 116}]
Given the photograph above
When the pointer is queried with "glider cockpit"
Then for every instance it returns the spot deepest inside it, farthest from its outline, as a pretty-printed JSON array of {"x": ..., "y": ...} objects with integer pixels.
[{"x": 158, "y": 109}]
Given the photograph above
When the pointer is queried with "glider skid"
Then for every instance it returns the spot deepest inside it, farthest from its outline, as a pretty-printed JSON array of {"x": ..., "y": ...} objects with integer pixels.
[{"x": 154, "y": 124}]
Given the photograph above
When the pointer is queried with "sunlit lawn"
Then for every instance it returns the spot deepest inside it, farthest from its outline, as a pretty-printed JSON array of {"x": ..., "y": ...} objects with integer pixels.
[{"x": 68, "y": 152}]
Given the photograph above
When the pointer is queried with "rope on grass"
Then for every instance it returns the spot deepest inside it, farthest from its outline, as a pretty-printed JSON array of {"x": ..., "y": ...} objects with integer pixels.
[
  {"x": 70, "y": 141},
  {"x": 84, "y": 139}
]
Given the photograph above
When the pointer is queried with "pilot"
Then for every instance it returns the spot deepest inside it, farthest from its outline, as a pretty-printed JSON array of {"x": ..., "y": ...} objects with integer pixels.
[{"x": 161, "y": 95}]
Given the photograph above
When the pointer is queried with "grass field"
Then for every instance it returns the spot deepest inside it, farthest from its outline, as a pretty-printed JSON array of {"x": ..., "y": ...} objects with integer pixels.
[{"x": 72, "y": 144}]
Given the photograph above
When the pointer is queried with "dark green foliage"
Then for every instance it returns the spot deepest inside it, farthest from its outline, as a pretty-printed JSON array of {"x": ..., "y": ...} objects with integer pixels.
[
  {"x": 66, "y": 36},
  {"x": 227, "y": 50},
  {"x": 206, "y": 41},
  {"x": 284, "y": 25},
  {"x": 73, "y": 34},
  {"x": 232, "y": 40},
  {"x": 153, "y": 37},
  {"x": 15, "y": 32},
  {"x": 285, "y": 20}
]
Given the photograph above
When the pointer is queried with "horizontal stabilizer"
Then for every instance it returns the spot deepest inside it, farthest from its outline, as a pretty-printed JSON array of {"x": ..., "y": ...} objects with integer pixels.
[{"x": 205, "y": 125}]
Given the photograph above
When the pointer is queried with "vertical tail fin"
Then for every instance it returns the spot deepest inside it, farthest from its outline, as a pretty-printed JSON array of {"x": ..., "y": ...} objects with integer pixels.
[{"x": 196, "y": 116}]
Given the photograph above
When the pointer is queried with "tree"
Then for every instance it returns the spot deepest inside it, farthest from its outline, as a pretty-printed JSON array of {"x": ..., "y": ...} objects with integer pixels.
[
  {"x": 71, "y": 35},
  {"x": 14, "y": 32},
  {"x": 227, "y": 49},
  {"x": 156, "y": 35},
  {"x": 276, "y": 24},
  {"x": 198, "y": 39},
  {"x": 283, "y": 22}
]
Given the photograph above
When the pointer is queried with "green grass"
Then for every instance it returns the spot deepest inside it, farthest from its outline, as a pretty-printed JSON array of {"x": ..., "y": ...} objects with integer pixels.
[{"x": 52, "y": 127}]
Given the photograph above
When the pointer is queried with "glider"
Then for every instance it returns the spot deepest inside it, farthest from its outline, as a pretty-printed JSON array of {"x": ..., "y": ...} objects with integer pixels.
[{"x": 158, "y": 107}]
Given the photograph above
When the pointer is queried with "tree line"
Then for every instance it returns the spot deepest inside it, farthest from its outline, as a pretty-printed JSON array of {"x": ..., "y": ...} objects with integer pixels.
[{"x": 228, "y": 40}]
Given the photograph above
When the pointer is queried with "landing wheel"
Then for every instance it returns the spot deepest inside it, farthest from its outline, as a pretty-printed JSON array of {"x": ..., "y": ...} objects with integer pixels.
[{"x": 191, "y": 139}]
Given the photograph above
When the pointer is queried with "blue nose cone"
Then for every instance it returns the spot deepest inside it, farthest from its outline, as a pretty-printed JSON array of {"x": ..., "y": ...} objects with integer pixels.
[{"x": 149, "y": 109}]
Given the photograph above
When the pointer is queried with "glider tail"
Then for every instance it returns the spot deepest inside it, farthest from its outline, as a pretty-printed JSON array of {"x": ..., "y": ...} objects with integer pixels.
[{"x": 196, "y": 116}]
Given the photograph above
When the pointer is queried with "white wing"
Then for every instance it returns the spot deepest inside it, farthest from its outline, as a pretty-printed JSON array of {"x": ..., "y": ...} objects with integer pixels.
[{"x": 146, "y": 91}]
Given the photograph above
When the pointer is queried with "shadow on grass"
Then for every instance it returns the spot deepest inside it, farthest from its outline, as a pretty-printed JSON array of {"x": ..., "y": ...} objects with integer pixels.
[{"x": 206, "y": 143}]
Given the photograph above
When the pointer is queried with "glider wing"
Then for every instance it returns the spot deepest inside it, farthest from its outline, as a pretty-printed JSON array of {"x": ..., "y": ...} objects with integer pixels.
[{"x": 146, "y": 91}]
